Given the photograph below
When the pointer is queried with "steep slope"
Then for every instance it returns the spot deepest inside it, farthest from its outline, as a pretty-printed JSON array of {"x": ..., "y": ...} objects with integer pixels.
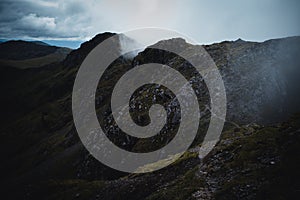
[{"x": 261, "y": 79}]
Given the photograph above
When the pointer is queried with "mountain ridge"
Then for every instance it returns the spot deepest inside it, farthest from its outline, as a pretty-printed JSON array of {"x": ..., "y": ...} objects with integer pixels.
[{"x": 48, "y": 160}]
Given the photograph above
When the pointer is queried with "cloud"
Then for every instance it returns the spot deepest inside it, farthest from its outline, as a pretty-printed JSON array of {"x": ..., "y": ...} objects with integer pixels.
[
  {"x": 143, "y": 13},
  {"x": 50, "y": 4},
  {"x": 35, "y": 22},
  {"x": 205, "y": 21},
  {"x": 43, "y": 19}
]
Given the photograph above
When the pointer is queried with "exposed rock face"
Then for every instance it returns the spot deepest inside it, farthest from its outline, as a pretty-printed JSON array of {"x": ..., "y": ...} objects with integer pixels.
[
  {"x": 260, "y": 78},
  {"x": 48, "y": 160}
]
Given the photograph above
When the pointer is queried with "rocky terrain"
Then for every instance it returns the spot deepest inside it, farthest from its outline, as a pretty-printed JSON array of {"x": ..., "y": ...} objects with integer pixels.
[{"x": 256, "y": 158}]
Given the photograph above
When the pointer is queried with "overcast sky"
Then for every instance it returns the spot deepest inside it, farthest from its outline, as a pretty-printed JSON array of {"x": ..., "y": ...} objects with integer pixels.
[{"x": 68, "y": 22}]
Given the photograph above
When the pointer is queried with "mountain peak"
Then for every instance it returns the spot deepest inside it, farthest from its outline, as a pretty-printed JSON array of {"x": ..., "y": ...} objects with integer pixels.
[
  {"x": 239, "y": 40},
  {"x": 77, "y": 56},
  {"x": 97, "y": 39}
]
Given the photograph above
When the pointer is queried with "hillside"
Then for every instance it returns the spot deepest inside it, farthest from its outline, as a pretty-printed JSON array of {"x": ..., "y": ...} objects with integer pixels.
[{"x": 256, "y": 157}]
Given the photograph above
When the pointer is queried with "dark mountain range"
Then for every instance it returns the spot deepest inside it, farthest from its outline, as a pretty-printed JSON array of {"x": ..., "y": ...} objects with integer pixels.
[
  {"x": 40, "y": 43},
  {"x": 24, "y": 54},
  {"x": 256, "y": 158},
  {"x": 20, "y": 50}
]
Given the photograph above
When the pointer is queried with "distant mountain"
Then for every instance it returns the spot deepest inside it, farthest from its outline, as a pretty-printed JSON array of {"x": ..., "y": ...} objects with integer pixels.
[
  {"x": 20, "y": 50},
  {"x": 24, "y": 54},
  {"x": 256, "y": 158},
  {"x": 40, "y": 43}
]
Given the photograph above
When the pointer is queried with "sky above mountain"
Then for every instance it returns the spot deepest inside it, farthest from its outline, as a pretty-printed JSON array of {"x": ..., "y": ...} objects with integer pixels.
[{"x": 69, "y": 22}]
